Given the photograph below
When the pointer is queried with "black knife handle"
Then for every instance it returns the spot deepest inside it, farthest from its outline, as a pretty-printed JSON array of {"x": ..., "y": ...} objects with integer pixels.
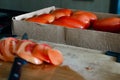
[
  {"x": 114, "y": 54},
  {"x": 16, "y": 69}
]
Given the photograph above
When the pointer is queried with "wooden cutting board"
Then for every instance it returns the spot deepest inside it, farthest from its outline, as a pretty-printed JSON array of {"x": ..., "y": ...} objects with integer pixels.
[
  {"x": 4, "y": 70},
  {"x": 89, "y": 64}
]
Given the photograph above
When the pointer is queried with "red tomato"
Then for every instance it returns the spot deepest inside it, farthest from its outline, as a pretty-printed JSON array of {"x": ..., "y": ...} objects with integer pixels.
[
  {"x": 8, "y": 47},
  {"x": 55, "y": 56},
  {"x": 23, "y": 52},
  {"x": 69, "y": 22},
  {"x": 61, "y": 12},
  {"x": 82, "y": 18},
  {"x": 91, "y": 15},
  {"x": 43, "y": 18},
  {"x": 2, "y": 57},
  {"x": 111, "y": 24},
  {"x": 40, "y": 52},
  {"x": 48, "y": 17},
  {"x": 35, "y": 19}
]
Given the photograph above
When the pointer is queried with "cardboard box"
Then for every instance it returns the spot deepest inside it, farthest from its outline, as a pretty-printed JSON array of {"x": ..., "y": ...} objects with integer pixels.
[
  {"x": 84, "y": 38},
  {"x": 38, "y": 31}
]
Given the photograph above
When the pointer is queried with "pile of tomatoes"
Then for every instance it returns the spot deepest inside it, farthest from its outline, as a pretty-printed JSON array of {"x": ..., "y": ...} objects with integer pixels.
[
  {"x": 67, "y": 18},
  {"x": 78, "y": 19},
  {"x": 30, "y": 51}
]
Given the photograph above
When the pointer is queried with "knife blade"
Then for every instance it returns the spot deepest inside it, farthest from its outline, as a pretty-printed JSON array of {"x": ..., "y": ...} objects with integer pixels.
[{"x": 15, "y": 72}]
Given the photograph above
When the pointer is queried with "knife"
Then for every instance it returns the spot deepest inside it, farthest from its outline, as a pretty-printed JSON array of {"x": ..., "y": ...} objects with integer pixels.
[
  {"x": 114, "y": 54},
  {"x": 15, "y": 72}
]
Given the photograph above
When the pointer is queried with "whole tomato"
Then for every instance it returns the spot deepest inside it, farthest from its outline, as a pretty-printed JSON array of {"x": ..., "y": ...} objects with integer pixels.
[
  {"x": 43, "y": 18},
  {"x": 69, "y": 22},
  {"x": 91, "y": 15},
  {"x": 82, "y": 18},
  {"x": 61, "y": 12},
  {"x": 111, "y": 24}
]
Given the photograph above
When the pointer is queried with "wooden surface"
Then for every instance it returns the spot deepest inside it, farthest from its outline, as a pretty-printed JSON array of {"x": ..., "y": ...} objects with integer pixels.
[
  {"x": 4, "y": 70},
  {"x": 90, "y": 64}
]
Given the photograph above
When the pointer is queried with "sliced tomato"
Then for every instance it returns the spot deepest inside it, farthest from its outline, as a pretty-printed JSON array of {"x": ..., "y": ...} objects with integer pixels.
[
  {"x": 27, "y": 54},
  {"x": 2, "y": 57},
  {"x": 40, "y": 51},
  {"x": 8, "y": 48},
  {"x": 55, "y": 56},
  {"x": 1, "y": 53}
]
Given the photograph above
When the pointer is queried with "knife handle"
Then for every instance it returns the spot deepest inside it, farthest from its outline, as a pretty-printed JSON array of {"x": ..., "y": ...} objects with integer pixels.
[
  {"x": 16, "y": 69},
  {"x": 114, "y": 54}
]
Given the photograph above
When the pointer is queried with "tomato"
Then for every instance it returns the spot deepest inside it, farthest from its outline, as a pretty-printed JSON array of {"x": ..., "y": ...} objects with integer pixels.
[
  {"x": 48, "y": 17},
  {"x": 8, "y": 48},
  {"x": 30, "y": 51},
  {"x": 36, "y": 19},
  {"x": 111, "y": 24},
  {"x": 43, "y": 18},
  {"x": 2, "y": 57},
  {"x": 61, "y": 12},
  {"x": 91, "y": 15},
  {"x": 40, "y": 52},
  {"x": 23, "y": 52},
  {"x": 82, "y": 18},
  {"x": 69, "y": 22},
  {"x": 55, "y": 56}
]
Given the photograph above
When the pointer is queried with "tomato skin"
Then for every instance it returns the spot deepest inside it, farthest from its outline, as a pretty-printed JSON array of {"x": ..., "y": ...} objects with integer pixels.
[
  {"x": 69, "y": 22},
  {"x": 48, "y": 17},
  {"x": 61, "y": 12},
  {"x": 43, "y": 18},
  {"x": 111, "y": 24},
  {"x": 91, "y": 15},
  {"x": 82, "y": 18},
  {"x": 40, "y": 52},
  {"x": 24, "y": 50}
]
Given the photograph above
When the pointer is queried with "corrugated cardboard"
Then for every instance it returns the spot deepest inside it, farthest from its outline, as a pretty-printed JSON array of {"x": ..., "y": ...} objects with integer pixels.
[
  {"x": 77, "y": 37},
  {"x": 93, "y": 39}
]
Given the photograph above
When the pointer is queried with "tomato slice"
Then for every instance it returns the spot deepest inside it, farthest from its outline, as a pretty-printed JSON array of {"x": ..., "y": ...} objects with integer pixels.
[
  {"x": 23, "y": 52},
  {"x": 1, "y": 54},
  {"x": 55, "y": 56},
  {"x": 29, "y": 51},
  {"x": 40, "y": 51}
]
